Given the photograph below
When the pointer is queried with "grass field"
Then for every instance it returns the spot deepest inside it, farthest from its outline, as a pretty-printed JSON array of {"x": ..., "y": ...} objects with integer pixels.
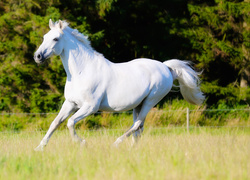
[{"x": 163, "y": 153}]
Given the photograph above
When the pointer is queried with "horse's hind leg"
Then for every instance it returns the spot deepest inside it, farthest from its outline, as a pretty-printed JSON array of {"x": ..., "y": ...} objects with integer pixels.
[
  {"x": 139, "y": 115},
  {"x": 138, "y": 132},
  {"x": 134, "y": 127}
]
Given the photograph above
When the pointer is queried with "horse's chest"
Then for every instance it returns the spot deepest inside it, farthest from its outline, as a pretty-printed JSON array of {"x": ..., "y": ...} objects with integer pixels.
[
  {"x": 72, "y": 92},
  {"x": 78, "y": 94}
]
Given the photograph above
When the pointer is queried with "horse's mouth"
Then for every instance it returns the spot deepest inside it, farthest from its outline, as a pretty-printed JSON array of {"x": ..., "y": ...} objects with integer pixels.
[
  {"x": 40, "y": 62},
  {"x": 41, "y": 57}
]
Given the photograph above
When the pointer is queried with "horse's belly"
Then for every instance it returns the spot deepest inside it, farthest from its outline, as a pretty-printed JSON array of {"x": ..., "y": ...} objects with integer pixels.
[
  {"x": 120, "y": 105},
  {"x": 123, "y": 99}
]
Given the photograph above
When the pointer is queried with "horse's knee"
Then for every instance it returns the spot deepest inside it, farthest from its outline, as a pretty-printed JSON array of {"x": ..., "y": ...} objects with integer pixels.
[
  {"x": 70, "y": 123},
  {"x": 138, "y": 132},
  {"x": 137, "y": 125}
]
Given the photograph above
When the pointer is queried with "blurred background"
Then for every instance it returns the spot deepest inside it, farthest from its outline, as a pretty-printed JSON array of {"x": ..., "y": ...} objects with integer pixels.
[{"x": 213, "y": 34}]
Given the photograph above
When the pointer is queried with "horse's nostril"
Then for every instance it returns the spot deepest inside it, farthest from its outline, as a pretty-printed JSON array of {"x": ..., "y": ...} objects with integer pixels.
[{"x": 39, "y": 56}]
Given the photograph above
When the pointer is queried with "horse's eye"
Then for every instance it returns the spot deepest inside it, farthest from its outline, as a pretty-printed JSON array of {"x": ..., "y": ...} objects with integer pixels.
[{"x": 55, "y": 39}]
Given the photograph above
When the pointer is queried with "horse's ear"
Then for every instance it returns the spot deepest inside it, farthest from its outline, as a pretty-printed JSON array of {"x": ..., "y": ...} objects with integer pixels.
[
  {"x": 51, "y": 24},
  {"x": 60, "y": 24}
]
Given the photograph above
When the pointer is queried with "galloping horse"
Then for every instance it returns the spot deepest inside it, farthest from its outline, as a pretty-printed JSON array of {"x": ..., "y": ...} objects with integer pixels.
[{"x": 94, "y": 83}]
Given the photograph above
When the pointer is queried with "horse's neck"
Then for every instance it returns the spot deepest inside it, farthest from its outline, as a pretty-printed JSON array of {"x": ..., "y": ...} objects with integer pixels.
[{"x": 76, "y": 58}]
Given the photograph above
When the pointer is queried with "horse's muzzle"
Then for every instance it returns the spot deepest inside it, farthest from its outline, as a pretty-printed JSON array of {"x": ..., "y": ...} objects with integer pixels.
[{"x": 39, "y": 58}]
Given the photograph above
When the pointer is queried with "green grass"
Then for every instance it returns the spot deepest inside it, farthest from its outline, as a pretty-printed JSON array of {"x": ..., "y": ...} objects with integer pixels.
[
  {"x": 169, "y": 114},
  {"x": 162, "y": 153}
]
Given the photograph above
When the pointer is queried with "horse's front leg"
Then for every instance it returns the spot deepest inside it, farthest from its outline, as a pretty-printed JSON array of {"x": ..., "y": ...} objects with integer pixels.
[
  {"x": 83, "y": 112},
  {"x": 66, "y": 110}
]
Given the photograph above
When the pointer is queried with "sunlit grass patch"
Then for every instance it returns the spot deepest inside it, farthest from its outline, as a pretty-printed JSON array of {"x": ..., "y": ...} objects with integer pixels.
[{"x": 162, "y": 153}]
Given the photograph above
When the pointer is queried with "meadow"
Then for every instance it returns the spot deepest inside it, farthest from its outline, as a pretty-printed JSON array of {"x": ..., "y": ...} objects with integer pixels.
[
  {"x": 169, "y": 114},
  {"x": 162, "y": 153}
]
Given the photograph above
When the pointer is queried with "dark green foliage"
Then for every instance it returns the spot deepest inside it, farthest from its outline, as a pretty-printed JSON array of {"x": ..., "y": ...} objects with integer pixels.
[
  {"x": 25, "y": 86},
  {"x": 219, "y": 34},
  {"x": 213, "y": 34}
]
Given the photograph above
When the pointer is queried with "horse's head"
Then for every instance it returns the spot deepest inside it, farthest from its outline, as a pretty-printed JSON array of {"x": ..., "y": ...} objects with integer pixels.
[{"x": 52, "y": 42}]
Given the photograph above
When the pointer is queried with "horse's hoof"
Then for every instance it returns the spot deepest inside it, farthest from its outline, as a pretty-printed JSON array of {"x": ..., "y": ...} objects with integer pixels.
[
  {"x": 83, "y": 143},
  {"x": 117, "y": 142},
  {"x": 39, "y": 148}
]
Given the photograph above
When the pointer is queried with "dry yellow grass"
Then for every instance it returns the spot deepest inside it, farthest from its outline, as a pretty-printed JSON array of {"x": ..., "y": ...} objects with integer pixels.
[{"x": 161, "y": 154}]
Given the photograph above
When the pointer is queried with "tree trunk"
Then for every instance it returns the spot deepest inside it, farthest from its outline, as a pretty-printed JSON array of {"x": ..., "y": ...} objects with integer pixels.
[{"x": 245, "y": 75}]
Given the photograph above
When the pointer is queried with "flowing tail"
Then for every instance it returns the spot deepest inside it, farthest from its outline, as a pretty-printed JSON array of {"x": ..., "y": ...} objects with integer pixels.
[{"x": 188, "y": 80}]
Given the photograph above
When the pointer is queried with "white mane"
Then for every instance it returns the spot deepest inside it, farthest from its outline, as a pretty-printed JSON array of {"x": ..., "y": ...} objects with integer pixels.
[{"x": 79, "y": 36}]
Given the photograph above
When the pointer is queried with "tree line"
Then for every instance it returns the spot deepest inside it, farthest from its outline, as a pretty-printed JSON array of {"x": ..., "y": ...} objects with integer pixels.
[{"x": 213, "y": 34}]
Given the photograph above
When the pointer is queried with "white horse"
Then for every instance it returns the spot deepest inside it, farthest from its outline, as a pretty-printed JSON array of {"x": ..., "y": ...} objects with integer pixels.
[{"x": 94, "y": 83}]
